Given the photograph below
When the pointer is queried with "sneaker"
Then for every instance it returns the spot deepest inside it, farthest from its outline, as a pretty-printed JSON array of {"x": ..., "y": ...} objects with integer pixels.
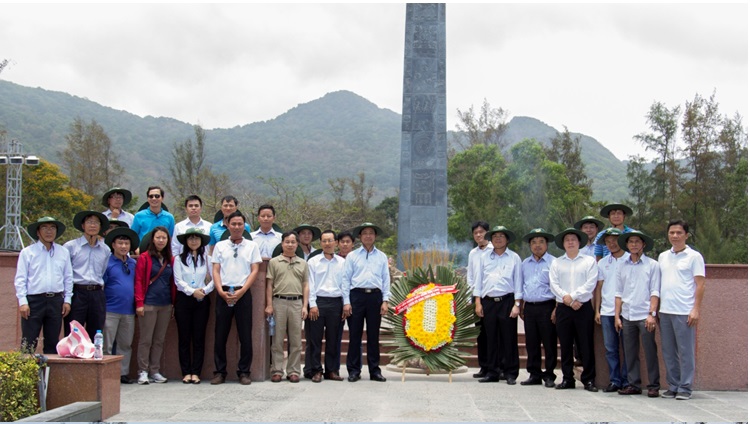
[
  {"x": 142, "y": 377},
  {"x": 668, "y": 394},
  {"x": 158, "y": 378},
  {"x": 683, "y": 396}
]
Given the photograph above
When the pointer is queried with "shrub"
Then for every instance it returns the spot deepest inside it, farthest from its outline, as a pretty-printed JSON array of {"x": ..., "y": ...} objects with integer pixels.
[{"x": 19, "y": 376}]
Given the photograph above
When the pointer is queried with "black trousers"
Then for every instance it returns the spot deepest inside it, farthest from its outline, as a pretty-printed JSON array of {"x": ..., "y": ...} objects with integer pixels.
[
  {"x": 481, "y": 344},
  {"x": 502, "y": 336},
  {"x": 45, "y": 313},
  {"x": 540, "y": 330},
  {"x": 365, "y": 307},
  {"x": 192, "y": 318},
  {"x": 328, "y": 324},
  {"x": 576, "y": 327},
  {"x": 242, "y": 312},
  {"x": 89, "y": 308}
]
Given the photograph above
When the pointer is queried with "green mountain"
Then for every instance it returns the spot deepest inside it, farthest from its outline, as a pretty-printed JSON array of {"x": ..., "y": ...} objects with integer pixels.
[{"x": 336, "y": 135}]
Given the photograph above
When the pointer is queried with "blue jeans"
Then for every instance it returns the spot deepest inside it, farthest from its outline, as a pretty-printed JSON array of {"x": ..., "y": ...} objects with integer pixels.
[{"x": 618, "y": 371}]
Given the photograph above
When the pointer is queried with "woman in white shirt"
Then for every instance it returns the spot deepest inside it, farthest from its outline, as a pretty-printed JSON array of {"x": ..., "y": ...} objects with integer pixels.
[{"x": 192, "y": 277}]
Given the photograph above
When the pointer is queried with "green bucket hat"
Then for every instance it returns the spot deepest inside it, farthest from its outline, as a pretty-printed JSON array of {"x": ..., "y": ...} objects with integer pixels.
[
  {"x": 500, "y": 229},
  {"x": 145, "y": 206},
  {"x": 112, "y": 235},
  {"x": 314, "y": 253},
  {"x": 358, "y": 229},
  {"x": 538, "y": 232},
  {"x": 586, "y": 219},
  {"x": 143, "y": 245},
  {"x": 615, "y": 207},
  {"x": 80, "y": 216},
  {"x": 278, "y": 249},
  {"x": 582, "y": 237},
  {"x": 205, "y": 238},
  {"x": 608, "y": 232},
  {"x": 127, "y": 196},
  {"x": 119, "y": 224},
  {"x": 315, "y": 230},
  {"x": 245, "y": 235},
  {"x": 622, "y": 240},
  {"x": 34, "y": 226}
]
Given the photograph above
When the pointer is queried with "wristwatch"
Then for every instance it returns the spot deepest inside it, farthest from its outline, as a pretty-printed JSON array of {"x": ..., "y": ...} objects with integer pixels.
[
  {"x": 518, "y": 303},
  {"x": 653, "y": 314}
]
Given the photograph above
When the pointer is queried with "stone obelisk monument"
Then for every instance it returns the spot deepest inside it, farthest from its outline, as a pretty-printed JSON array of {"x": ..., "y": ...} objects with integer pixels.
[{"x": 423, "y": 201}]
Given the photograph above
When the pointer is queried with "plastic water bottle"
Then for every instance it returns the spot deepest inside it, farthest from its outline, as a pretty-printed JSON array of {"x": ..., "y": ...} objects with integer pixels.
[
  {"x": 231, "y": 291},
  {"x": 98, "y": 344},
  {"x": 271, "y": 326}
]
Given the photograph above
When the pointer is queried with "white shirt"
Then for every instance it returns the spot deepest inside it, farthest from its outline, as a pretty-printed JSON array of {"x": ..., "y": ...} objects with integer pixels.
[
  {"x": 182, "y": 227},
  {"x": 588, "y": 250},
  {"x": 43, "y": 271},
  {"x": 607, "y": 267},
  {"x": 678, "y": 272},
  {"x": 498, "y": 275},
  {"x": 575, "y": 277},
  {"x": 235, "y": 268},
  {"x": 266, "y": 241},
  {"x": 324, "y": 277},
  {"x": 473, "y": 262},
  {"x": 636, "y": 283},
  {"x": 192, "y": 276}
]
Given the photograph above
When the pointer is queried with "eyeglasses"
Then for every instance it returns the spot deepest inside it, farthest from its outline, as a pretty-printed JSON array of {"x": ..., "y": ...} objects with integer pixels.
[
  {"x": 154, "y": 196},
  {"x": 125, "y": 268}
]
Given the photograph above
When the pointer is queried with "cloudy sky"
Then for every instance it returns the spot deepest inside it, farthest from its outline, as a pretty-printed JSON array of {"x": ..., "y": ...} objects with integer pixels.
[{"x": 591, "y": 67}]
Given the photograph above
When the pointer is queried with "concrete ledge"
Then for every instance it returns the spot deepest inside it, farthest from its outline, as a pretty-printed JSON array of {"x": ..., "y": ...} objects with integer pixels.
[
  {"x": 74, "y": 412},
  {"x": 85, "y": 380}
]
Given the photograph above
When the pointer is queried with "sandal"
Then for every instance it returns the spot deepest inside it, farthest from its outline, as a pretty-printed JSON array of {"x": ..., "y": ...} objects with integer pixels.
[
  {"x": 195, "y": 379},
  {"x": 186, "y": 379}
]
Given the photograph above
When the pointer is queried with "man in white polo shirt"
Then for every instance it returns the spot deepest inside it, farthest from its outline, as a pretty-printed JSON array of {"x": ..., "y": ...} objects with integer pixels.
[{"x": 683, "y": 279}]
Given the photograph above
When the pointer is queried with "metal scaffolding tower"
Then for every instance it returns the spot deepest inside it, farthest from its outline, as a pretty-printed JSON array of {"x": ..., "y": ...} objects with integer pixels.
[{"x": 12, "y": 156}]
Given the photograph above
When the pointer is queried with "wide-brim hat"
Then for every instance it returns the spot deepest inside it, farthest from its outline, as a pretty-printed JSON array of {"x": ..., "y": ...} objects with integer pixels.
[
  {"x": 615, "y": 207},
  {"x": 278, "y": 249},
  {"x": 143, "y": 245},
  {"x": 538, "y": 232},
  {"x": 205, "y": 238},
  {"x": 127, "y": 196},
  {"x": 109, "y": 239},
  {"x": 622, "y": 240},
  {"x": 120, "y": 224},
  {"x": 219, "y": 216},
  {"x": 582, "y": 237},
  {"x": 34, "y": 226},
  {"x": 245, "y": 235},
  {"x": 315, "y": 230},
  {"x": 145, "y": 205},
  {"x": 358, "y": 229},
  {"x": 80, "y": 216},
  {"x": 589, "y": 218},
  {"x": 315, "y": 253},
  {"x": 608, "y": 232},
  {"x": 500, "y": 229}
]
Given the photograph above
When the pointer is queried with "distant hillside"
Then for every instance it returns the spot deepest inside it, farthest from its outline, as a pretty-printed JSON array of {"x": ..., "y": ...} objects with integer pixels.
[{"x": 337, "y": 135}]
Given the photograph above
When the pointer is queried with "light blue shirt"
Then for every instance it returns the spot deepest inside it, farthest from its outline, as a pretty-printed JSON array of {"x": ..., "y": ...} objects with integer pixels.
[
  {"x": 636, "y": 283},
  {"x": 145, "y": 221},
  {"x": 473, "y": 262},
  {"x": 43, "y": 271},
  {"x": 125, "y": 217},
  {"x": 536, "y": 278},
  {"x": 498, "y": 275},
  {"x": 89, "y": 262},
  {"x": 324, "y": 276},
  {"x": 266, "y": 241},
  {"x": 366, "y": 270},
  {"x": 217, "y": 230}
]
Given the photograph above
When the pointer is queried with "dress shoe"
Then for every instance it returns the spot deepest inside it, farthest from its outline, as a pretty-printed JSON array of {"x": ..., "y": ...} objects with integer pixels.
[
  {"x": 317, "y": 377},
  {"x": 377, "y": 377},
  {"x": 353, "y": 377},
  {"x": 276, "y": 378},
  {"x": 653, "y": 392},
  {"x": 489, "y": 379},
  {"x": 511, "y": 381},
  {"x": 549, "y": 383},
  {"x": 481, "y": 374},
  {"x": 570, "y": 384},
  {"x": 333, "y": 375},
  {"x": 218, "y": 379},
  {"x": 245, "y": 379},
  {"x": 124, "y": 379},
  {"x": 502, "y": 375},
  {"x": 294, "y": 378},
  {"x": 590, "y": 387},
  {"x": 630, "y": 390},
  {"x": 531, "y": 381},
  {"x": 612, "y": 388}
]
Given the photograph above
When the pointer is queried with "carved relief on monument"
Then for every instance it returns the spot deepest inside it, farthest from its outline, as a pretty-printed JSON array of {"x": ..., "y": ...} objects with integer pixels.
[
  {"x": 424, "y": 12},
  {"x": 424, "y": 76},
  {"x": 425, "y": 40},
  {"x": 423, "y": 188},
  {"x": 423, "y": 149}
]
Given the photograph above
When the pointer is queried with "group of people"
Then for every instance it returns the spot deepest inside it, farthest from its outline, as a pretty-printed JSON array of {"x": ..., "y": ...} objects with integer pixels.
[
  {"x": 94, "y": 280},
  {"x": 604, "y": 278}
]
